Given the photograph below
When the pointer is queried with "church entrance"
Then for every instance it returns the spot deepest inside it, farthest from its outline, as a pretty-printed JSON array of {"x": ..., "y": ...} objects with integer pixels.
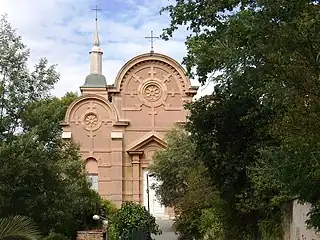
[{"x": 156, "y": 209}]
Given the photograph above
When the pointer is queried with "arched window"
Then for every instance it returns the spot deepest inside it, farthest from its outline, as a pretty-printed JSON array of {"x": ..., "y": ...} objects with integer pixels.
[{"x": 92, "y": 172}]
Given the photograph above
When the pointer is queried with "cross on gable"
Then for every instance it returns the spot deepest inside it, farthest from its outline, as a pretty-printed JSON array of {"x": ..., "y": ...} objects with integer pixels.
[{"x": 151, "y": 41}]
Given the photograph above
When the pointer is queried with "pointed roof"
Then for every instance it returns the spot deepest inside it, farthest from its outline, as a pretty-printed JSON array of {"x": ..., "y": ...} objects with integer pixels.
[
  {"x": 96, "y": 40},
  {"x": 138, "y": 146},
  {"x": 95, "y": 79}
]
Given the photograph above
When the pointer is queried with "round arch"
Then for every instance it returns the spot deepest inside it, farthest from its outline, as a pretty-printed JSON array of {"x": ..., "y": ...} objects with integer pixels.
[
  {"x": 153, "y": 57},
  {"x": 109, "y": 107},
  {"x": 91, "y": 165}
]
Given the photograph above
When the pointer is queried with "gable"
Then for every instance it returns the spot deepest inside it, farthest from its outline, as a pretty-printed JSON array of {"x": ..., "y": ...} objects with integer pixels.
[
  {"x": 96, "y": 104},
  {"x": 154, "y": 65},
  {"x": 144, "y": 142}
]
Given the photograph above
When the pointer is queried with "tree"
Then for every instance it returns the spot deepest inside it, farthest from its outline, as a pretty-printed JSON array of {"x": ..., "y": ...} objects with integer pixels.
[
  {"x": 182, "y": 184},
  {"x": 41, "y": 176},
  {"x": 18, "y": 227},
  {"x": 18, "y": 86},
  {"x": 264, "y": 56},
  {"x": 228, "y": 129},
  {"x": 172, "y": 166}
]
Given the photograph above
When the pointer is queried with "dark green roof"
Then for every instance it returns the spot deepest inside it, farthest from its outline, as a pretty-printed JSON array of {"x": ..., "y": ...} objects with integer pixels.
[{"x": 95, "y": 80}]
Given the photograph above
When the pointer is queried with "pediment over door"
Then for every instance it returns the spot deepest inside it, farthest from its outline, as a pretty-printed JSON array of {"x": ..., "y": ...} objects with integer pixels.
[{"x": 139, "y": 146}]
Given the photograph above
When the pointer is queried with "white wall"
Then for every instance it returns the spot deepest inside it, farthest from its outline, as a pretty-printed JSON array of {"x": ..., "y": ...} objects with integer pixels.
[{"x": 296, "y": 228}]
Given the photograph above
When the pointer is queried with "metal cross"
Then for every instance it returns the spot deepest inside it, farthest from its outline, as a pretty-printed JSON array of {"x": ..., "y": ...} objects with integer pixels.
[
  {"x": 151, "y": 40},
  {"x": 96, "y": 9}
]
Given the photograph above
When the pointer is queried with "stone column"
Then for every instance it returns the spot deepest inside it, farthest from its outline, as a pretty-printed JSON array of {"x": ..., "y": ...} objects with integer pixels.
[{"x": 116, "y": 169}]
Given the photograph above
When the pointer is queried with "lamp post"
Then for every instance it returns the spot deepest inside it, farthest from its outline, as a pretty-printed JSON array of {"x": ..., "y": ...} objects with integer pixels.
[
  {"x": 104, "y": 224},
  {"x": 148, "y": 196}
]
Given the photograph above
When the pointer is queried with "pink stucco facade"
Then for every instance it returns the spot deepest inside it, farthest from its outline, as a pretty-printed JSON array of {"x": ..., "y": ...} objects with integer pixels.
[{"x": 120, "y": 127}]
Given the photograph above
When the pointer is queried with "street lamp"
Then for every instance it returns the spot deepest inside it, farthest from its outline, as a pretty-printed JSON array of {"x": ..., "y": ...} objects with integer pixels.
[
  {"x": 103, "y": 219},
  {"x": 148, "y": 200},
  {"x": 104, "y": 224}
]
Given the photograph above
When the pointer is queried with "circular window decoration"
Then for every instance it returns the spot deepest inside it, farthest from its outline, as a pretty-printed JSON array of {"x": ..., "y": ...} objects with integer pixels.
[
  {"x": 91, "y": 121},
  {"x": 152, "y": 92}
]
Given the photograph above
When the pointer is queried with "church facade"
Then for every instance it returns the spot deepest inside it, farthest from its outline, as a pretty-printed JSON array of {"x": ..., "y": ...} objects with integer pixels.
[{"x": 119, "y": 127}]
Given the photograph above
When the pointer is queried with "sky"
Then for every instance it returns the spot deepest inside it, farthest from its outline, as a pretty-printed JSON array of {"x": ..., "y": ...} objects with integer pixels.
[{"x": 62, "y": 31}]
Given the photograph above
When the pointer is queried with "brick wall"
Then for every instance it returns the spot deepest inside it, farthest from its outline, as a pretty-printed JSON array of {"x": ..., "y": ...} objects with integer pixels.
[{"x": 90, "y": 235}]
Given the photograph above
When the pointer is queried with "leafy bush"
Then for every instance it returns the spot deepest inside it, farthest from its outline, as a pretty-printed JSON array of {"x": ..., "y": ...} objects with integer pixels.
[
  {"x": 109, "y": 210},
  {"x": 56, "y": 236},
  {"x": 133, "y": 217}
]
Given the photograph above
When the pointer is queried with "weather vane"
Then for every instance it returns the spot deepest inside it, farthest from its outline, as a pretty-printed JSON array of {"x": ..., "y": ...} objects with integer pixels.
[{"x": 151, "y": 40}]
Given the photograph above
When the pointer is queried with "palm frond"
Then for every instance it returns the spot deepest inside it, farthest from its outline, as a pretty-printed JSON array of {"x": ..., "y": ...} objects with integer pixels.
[{"x": 18, "y": 227}]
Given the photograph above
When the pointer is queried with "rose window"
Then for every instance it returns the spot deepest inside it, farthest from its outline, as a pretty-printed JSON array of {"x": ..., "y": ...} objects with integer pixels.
[
  {"x": 152, "y": 92},
  {"x": 91, "y": 120}
]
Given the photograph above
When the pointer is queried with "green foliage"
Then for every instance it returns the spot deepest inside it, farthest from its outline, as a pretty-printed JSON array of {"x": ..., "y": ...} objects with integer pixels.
[
  {"x": 18, "y": 227},
  {"x": 172, "y": 166},
  {"x": 42, "y": 177},
  {"x": 182, "y": 184},
  {"x": 134, "y": 217},
  {"x": 258, "y": 132},
  {"x": 18, "y": 86},
  {"x": 55, "y": 236},
  {"x": 44, "y": 116},
  {"x": 110, "y": 211},
  {"x": 228, "y": 130}
]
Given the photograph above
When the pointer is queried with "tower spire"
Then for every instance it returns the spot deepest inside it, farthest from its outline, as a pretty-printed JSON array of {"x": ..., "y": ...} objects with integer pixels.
[
  {"x": 96, "y": 40},
  {"x": 95, "y": 79},
  {"x": 96, "y": 52}
]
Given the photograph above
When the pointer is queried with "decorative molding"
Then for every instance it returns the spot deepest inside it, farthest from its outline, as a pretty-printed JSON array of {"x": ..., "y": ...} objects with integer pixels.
[
  {"x": 64, "y": 124},
  {"x": 66, "y": 135},
  {"x": 168, "y": 107},
  {"x": 137, "y": 107},
  {"x": 121, "y": 123},
  {"x": 93, "y": 98},
  {"x": 91, "y": 121},
  {"x": 116, "y": 135},
  {"x": 152, "y": 93},
  {"x": 161, "y": 60},
  {"x": 134, "y": 152},
  {"x": 144, "y": 141}
]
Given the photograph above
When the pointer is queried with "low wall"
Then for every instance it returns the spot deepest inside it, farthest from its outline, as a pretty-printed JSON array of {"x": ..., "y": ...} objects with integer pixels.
[{"x": 90, "y": 235}]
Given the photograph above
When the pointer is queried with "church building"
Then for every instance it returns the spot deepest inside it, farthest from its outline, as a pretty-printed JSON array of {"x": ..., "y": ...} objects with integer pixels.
[{"x": 119, "y": 127}]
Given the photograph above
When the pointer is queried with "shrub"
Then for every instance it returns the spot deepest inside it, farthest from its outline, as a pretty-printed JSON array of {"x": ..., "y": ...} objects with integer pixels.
[
  {"x": 56, "y": 236},
  {"x": 133, "y": 217},
  {"x": 109, "y": 210}
]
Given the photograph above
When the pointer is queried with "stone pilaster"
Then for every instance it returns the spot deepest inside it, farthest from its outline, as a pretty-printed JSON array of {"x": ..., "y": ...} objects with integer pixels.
[
  {"x": 116, "y": 169},
  {"x": 136, "y": 173},
  {"x": 136, "y": 178}
]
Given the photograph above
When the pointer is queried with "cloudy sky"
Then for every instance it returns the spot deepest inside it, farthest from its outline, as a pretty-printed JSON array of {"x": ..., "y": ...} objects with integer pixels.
[{"x": 62, "y": 30}]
